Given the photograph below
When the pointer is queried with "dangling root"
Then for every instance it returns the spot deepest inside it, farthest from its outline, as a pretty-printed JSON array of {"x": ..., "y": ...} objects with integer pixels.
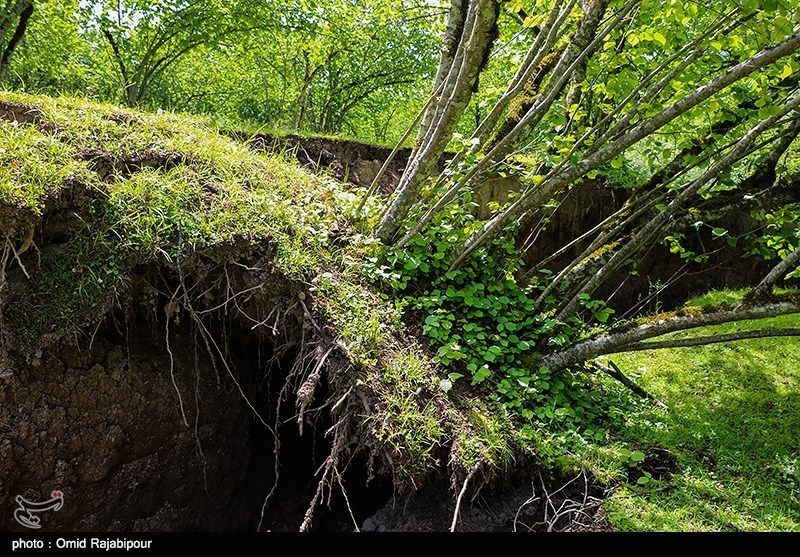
[
  {"x": 341, "y": 433},
  {"x": 460, "y": 497},
  {"x": 297, "y": 369},
  {"x": 305, "y": 394}
]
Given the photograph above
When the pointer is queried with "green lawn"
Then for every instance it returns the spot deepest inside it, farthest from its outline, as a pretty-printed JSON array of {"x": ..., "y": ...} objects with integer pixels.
[{"x": 732, "y": 428}]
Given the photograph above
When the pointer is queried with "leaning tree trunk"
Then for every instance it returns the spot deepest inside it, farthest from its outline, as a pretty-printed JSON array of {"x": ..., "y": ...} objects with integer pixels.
[
  {"x": 477, "y": 35},
  {"x": 15, "y": 17}
]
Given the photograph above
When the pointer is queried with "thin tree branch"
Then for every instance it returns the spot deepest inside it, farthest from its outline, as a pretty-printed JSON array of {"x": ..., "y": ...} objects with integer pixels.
[
  {"x": 709, "y": 339},
  {"x": 615, "y": 372}
]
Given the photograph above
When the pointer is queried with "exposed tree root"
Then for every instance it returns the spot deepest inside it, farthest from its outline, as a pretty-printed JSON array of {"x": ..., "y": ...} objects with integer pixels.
[
  {"x": 561, "y": 513},
  {"x": 459, "y": 498}
]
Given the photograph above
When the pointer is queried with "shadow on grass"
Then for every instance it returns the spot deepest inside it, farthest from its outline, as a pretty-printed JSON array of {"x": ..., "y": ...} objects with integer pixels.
[{"x": 734, "y": 429}]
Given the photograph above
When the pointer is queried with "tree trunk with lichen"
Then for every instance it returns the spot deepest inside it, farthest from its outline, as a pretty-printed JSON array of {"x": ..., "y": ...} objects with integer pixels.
[
  {"x": 478, "y": 32},
  {"x": 13, "y": 24}
]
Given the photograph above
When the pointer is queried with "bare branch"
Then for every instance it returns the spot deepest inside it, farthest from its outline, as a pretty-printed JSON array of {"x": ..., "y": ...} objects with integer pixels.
[
  {"x": 710, "y": 339},
  {"x": 689, "y": 318}
]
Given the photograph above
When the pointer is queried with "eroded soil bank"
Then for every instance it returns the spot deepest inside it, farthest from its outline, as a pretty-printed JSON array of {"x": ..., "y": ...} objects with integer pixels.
[
  {"x": 145, "y": 427},
  {"x": 212, "y": 396}
]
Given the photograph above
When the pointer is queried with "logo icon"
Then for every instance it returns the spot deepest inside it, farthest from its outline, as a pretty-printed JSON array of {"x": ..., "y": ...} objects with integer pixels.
[{"x": 27, "y": 511}]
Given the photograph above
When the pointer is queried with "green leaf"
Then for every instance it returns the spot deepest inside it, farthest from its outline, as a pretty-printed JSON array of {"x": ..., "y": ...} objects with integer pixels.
[
  {"x": 481, "y": 375},
  {"x": 768, "y": 111}
]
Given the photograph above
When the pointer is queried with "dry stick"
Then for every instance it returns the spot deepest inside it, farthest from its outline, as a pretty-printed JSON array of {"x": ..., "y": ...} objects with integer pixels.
[
  {"x": 460, "y": 497},
  {"x": 548, "y": 502},
  {"x": 615, "y": 372},
  {"x": 545, "y": 191},
  {"x": 567, "y": 506},
  {"x": 532, "y": 499},
  {"x": 375, "y": 181}
]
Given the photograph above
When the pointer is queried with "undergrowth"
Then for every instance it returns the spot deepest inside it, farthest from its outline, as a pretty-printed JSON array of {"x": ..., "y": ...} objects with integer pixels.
[{"x": 487, "y": 333}]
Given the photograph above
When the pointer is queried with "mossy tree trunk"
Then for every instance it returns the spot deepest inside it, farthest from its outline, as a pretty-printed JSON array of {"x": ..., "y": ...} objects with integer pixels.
[
  {"x": 477, "y": 33},
  {"x": 14, "y": 18}
]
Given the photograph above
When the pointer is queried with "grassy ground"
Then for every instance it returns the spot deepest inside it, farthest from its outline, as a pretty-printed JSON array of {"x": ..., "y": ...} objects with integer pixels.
[{"x": 732, "y": 427}]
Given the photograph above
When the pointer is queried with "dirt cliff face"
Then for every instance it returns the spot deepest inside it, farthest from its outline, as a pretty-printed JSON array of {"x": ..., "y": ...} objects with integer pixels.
[
  {"x": 663, "y": 279},
  {"x": 101, "y": 422},
  {"x": 347, "y": 161}
]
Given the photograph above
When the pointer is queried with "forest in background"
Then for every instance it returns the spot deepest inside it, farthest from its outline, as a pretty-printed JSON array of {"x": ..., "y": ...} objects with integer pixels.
[{"x": 355, "y": 68}]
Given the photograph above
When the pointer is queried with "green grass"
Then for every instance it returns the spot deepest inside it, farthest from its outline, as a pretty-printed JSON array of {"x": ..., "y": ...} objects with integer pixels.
[
  {"x": 732, "y": 426},
  {"x": 220, "y": 191},
  {"x": 23, "y": 185}
]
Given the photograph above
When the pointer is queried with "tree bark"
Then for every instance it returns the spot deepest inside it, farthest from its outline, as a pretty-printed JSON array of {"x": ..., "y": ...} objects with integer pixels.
[
  {"x": 21, "y": 12},
  {"x": 549, "y": 188},
  {"x": 475, "y": 41},
  {"x": 686, "y": 319}
]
